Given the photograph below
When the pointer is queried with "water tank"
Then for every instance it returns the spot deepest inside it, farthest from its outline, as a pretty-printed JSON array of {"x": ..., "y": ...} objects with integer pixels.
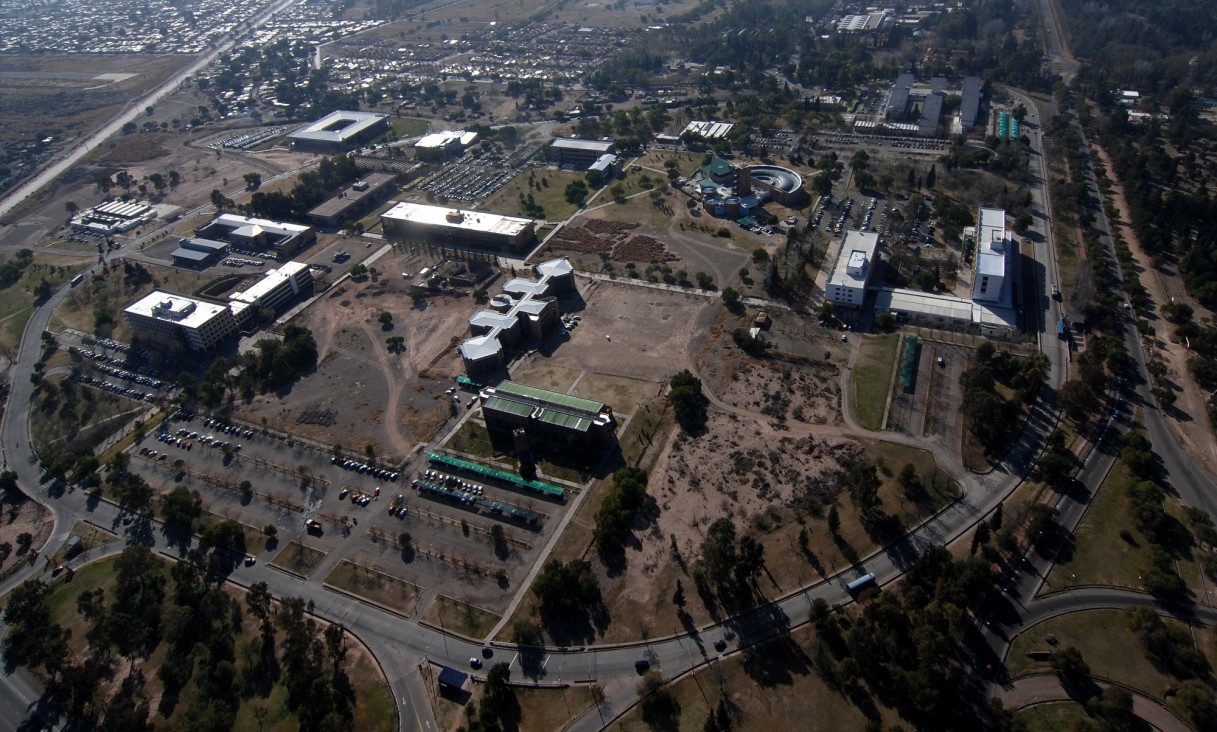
[{"x": 732, "y": 207}]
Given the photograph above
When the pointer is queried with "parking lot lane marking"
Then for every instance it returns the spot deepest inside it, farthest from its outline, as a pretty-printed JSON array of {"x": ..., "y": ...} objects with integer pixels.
[{"x": 513, "y": 660}]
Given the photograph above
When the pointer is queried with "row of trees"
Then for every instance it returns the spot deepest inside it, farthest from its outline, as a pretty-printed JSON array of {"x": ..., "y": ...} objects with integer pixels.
[{"x": 990, "y": 414}]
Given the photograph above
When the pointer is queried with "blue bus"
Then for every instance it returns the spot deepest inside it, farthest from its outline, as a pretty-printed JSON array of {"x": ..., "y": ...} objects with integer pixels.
[
  {"x": 861, "y": 583},
  {"x": 1060, "y": 329}
]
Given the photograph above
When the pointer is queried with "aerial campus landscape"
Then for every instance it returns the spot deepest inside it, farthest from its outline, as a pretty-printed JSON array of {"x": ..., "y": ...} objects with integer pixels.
[{"x": 639, "y": 365}]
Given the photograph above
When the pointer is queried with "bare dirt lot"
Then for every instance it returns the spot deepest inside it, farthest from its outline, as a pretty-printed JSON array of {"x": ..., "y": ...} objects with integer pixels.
[{"x": 361, "y": 394}]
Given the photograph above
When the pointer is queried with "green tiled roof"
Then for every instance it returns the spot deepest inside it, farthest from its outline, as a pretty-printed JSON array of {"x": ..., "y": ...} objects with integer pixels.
[
  {"x": 558, "y": 399},
  {"x": 565, "y": 420},
  {"x": 499, "y": 404}
]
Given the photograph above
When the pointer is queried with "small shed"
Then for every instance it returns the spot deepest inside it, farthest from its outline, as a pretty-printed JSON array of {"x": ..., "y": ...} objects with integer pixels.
[{"x": 452, "y": 680}]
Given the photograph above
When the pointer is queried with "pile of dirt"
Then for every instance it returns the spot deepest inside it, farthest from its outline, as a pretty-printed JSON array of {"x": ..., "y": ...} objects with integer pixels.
[{"x": 612, "y": 239}]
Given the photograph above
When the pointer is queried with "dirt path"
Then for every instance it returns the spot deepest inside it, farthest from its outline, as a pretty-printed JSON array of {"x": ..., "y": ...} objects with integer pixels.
[{"x": 1194, "y": 432}]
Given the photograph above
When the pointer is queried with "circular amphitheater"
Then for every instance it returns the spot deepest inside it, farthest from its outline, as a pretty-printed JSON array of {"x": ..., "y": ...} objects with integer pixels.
[{"x": 786, "y": 185}]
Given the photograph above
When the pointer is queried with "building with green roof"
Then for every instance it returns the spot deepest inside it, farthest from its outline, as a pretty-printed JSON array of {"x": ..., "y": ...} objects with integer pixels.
[{"x": 546, "y": 415}]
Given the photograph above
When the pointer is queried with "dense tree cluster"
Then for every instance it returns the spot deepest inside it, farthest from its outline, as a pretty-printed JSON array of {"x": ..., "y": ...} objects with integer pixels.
[
  {"x": 566, "y": 588},
  {"x": 729, "y": 563},
  {"x": 991, "y": 414},
  {"x": 183, "y": 614},
  {"x": 625, "y": 496},
  {"x": 908, "y": 646},
  {"x": 312, "y": 187},
  {"x": 274, "y": 364}
]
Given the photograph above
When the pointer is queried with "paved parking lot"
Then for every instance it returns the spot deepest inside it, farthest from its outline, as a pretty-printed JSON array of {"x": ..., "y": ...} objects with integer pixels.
[{"x": 293, "y": 484}]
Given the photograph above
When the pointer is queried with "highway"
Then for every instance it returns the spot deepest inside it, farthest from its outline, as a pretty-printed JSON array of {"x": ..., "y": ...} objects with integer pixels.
[{"x": 132, "y": 111}]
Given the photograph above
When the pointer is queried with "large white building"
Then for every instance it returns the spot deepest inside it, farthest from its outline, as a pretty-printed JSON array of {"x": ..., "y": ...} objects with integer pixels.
[
  {"x": 847, "y": 284},
  {"x": 339, "y": 131},
  {"x": 165, "y": 317},
  {"x": 406, "y": 220},
  {"x": 168, "y": 318}
]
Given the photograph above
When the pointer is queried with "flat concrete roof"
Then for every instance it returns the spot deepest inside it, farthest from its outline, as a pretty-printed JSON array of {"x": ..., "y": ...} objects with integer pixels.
[
  {"x": 861, "y": 243},
  {"x": 272, "y": 279},
  {"x": 179, "y": 309},
  {"x": 348, "y": 197},
  {"x": 990, "y": 259},
  {"x": 446, "y": 138},
  {"x": 455, "y": 219},
  {"x": 600, "y": 146}
]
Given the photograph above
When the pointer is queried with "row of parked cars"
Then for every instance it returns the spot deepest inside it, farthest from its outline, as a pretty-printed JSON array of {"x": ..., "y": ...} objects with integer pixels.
[
  {"x": 115, "y": 388},
  {"x": 364, "y": 468}
]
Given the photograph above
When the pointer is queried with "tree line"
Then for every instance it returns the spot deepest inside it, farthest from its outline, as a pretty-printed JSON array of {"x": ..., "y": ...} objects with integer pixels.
[{"x": 208, "y": 670}]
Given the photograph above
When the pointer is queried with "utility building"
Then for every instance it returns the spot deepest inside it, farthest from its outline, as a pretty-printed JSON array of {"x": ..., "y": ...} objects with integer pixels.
[{"x": 991, "y": 257}]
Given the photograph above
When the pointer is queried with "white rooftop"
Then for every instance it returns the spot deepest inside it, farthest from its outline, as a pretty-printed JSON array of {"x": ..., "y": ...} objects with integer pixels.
[
  {"x": 857, "y": 254},
  {"x": 185, "y": 311},
  {"x": 268, "y": 283},
  {"x": 457, "y": 219},
  {"x": 945, "y": 306},
  {"x": 235, "y": 221},
  {"x": 446, "y": 138},
  {"x": 991, "y": 242},
  {"x": 338, "y": 126}
]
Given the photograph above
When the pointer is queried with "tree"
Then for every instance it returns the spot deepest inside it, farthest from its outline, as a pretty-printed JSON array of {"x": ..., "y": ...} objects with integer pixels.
[
  {"x": 731, "y": 298},
  {"x": 1070, "y": 666},
  {"x": 71, "y": 208},
  {"x": 931, "y": 177},
  {"x": 386, "y": 321},
  {"x": 566, "y": 588},
  {"x": 253, "y": 181},
  {"x": 24, "y": 539},
  {"x": 688, "y": 401},
  {"x": 180, "y": 507},
  {"x": 1078, "y": 399},
  {"x": 227, "y": 534},
  {"x": 678, "y": 597}
]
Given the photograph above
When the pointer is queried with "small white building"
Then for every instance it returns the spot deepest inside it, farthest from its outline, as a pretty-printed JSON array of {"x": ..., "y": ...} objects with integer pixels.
[{"x": 847, "y": 284}]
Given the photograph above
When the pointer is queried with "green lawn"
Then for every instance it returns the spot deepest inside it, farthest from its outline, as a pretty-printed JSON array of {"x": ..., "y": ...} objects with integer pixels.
[
  {"x": 17, "y": 300},
  {"x": 408, "y": 126},
  {"x": 1052, "y": 717},
  {"x": 376, "y": 586},
  {"x": 1101, "y": 556},
  {"x": 548, "y": 189},
  {"x": 1108, "y": 646},
  {"x": 873, "y": 376},
  {"x": 460, "y": 617},
  {"x": 474, "y": 439}
]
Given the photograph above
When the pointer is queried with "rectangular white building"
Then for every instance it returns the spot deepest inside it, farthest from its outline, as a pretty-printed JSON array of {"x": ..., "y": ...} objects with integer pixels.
[
  {"x": 414, "y": 220},
  {"x": 992, "y": 250},
  {"x": 855, "y": 263}
]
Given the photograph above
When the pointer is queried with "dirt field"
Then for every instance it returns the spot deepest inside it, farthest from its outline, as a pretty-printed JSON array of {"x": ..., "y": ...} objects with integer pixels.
[
  {"x": 649, "y": 332},
  {"x": 361, "y": 394},
  {"x": 25, "y": 516}
]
